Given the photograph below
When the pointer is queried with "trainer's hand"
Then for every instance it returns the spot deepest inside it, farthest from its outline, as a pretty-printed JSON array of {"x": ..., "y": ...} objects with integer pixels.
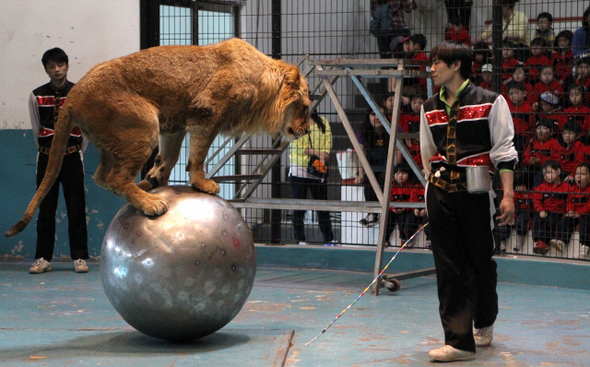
[{"x": 506, "y": 211}]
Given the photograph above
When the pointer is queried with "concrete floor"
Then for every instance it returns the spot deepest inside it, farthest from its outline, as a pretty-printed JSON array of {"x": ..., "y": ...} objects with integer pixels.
[{"x": 64, "y": 319}]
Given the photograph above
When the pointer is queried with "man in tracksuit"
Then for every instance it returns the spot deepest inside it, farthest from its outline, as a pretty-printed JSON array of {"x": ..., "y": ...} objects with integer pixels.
[
  {"x": 464, "y": 125},
  {"x": 45, "y": 103}
]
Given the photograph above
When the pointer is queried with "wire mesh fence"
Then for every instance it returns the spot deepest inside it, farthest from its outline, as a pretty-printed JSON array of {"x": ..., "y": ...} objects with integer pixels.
[{"x": 531, "y": 52}]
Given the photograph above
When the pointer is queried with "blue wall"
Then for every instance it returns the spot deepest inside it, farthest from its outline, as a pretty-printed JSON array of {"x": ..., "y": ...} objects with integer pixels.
[{"x": 17, "y": 185}]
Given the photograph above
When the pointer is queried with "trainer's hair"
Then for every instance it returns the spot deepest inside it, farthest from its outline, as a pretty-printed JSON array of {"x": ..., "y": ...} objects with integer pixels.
[
  {"x": 453, "y": 51},
  {"x": 55, "y": 54}
]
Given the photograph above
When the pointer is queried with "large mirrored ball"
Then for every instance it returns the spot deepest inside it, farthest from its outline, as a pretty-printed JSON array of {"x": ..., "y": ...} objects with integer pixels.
[{"x": 184, "y": 274}]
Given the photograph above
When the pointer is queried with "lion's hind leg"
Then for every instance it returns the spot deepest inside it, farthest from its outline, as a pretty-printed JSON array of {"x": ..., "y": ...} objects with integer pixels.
[
  {"x": 104, "y": 168},
  {"x": 126, "y": 151},
  {"x": 169, "y": 151},
  {"x": 121, "y": 180}
]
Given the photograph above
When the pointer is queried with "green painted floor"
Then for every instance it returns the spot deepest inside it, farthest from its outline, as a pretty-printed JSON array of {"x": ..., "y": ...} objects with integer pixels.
[{"x": 64, "y": 319}]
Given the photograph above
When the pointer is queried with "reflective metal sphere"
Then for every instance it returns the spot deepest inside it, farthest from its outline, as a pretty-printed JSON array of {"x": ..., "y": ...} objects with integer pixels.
[{"x": 184, "y": 274}]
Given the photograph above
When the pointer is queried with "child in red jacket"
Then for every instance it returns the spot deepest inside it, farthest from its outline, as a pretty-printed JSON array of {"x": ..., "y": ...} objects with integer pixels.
[
  {"x": 550, "y": 201},
  {"x": 577, "y": 212},
  {"x": 524, "y": 212},
  {"x": 547, "y": 83},
  {"x": 573, "y": 152},
  {"x": 539, "y": 150},
  {"x": 537, "y": 60},
  {"x": 522, "y": 115},
  {"x": 577, "y": 112},
  {"x": 421, "y": 214},
  {"x": 508, "y": 61},
  {"x": 486, "y": 77},
  {"x": 456, "y": 32},
  {"x": 410, "y": 122},
  {"x": 563, "y": 56},
  {"x": 519, "y": 75},
  {"x": 403, "y": 189},
  {"x": 549, "y": 110}
]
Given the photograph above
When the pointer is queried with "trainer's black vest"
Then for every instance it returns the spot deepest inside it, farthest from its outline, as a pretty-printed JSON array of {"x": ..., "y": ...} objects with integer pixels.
[{"x": 50, "y": 102}]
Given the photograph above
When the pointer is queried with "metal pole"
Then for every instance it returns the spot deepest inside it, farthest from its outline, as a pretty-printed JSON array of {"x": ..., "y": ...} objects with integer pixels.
[
  {"x": 497, "y": 46},
  {"x": 275, "y": 215}
]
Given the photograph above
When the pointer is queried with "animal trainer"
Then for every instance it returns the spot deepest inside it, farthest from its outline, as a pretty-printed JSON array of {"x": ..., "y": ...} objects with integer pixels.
[{"x": 125, "y": 104}]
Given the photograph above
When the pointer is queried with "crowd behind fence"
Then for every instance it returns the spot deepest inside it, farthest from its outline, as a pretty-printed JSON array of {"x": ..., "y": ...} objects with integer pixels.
[{"x": 540, "y": 66}]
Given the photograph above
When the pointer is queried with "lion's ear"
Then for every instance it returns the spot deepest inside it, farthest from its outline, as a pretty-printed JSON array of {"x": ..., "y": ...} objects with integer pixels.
[{"x": 293, "y": 77}]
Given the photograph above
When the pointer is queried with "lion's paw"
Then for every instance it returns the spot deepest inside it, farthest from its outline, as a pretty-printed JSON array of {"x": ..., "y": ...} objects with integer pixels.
[
  {"x": 206, "y": 185},
  {"x": 154, "y": 205}
]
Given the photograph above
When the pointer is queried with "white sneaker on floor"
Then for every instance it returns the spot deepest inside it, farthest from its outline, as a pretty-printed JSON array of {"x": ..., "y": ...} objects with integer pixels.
[
  {"x": 449, "y": 354},
  {"x": 557, "y": 244},
  {"x": 302, "y": 243},
  {"x": 80, "y": 266},
  {"x": 584, "y": 252},
  {"x": 40, "y": 266},
  {"x": 483, "y": 337}
]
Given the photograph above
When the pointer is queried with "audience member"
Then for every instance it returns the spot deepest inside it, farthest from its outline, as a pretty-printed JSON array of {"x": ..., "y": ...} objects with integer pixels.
[
  {"x": 550, "y": 202},
  {"x": 581, "y": 76},
  {"x": 459, "y": 9},
  {"x": 403, "y": 189},
  {"x": 540, "y": 150},
  {"x": 522, "y": 115},
  {"x": 456, "y": 32},
  {"x": 481, "y": 55},
  {"x": 577, "y": 213},
  {"x": 515, "y": 28},
  {"x": 421, "y": 214},
  {"x": 508, "y": 61},
  {"x": 411, "y": 124},
  {"x": 388, "y": 22},
  {"x": 414, "y": 51},
  {"x": 581, "y": 39},
  {"x": 525, "y": 209},
  {"x": 519, "y": 75},
  {"x": 375, "y": 141},
  {"x": 410, "y": 121},
  {"x": 537, "y": 60},
  {"x": 545, "y": 30},
  {"x": 486, "y": 76},
  {"x": 563, "y": 55},
  {"x": 573, "y": 152},
  {"x": 549, "y": 110},
  {"x": 547, "y": 83},
  {"x": 578, "y": 112},
  {"x": 318, "y": 143}
]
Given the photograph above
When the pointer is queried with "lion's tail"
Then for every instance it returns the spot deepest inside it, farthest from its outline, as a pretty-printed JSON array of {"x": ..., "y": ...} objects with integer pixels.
[{"x": 56, "y": 156}]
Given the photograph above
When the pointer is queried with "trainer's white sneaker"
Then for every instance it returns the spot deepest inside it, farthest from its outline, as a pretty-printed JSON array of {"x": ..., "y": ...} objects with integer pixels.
[
  {"x": 40, "y": 266},
  {"x": 449, "y": 354},
  {"x": 80, "y": 266},
  {"x": 483, "y": 337}
]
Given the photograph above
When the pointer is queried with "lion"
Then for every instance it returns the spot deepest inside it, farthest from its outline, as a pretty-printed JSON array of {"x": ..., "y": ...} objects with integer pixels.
[{"x": 129, "y": 105}]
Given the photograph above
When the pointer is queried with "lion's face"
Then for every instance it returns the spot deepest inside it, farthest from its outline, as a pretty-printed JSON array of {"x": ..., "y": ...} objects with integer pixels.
[
  {"x": 297, "y": 114},
  {"x": 296, "y": 117}
]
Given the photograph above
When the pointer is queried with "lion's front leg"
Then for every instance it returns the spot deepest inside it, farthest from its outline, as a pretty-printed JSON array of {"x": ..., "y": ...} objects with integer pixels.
[{"x": 198, "y": 148}]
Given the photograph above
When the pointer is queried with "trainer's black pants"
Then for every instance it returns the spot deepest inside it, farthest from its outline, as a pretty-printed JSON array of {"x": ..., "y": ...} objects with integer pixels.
[
  {"x": 463, "y": 246},
  {"x": 71, "y": 178}
]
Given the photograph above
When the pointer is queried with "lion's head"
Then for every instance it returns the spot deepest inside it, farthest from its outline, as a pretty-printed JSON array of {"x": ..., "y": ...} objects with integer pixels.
[{"x": 297, "y": 112}]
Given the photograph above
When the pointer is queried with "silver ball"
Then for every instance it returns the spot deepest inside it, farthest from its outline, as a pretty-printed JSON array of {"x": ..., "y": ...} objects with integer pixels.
[{"x": 184, "y": 274}]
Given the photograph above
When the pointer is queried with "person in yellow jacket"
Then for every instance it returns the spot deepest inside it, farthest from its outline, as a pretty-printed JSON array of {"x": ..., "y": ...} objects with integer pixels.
[{"x": 317, "y": 143}]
